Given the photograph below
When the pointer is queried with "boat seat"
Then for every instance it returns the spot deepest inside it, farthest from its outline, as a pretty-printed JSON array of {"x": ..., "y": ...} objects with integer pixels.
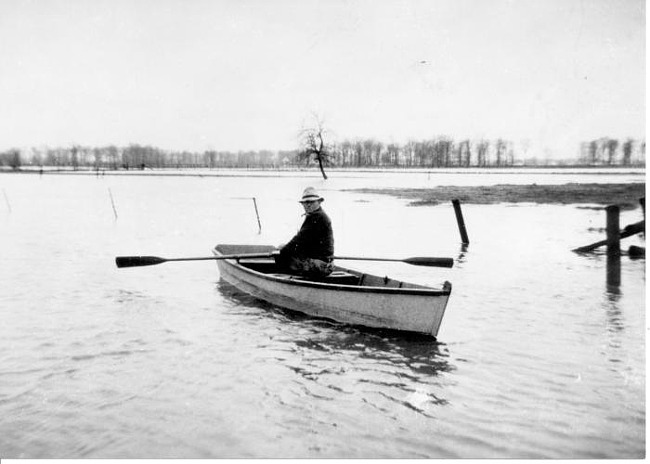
[
  {"x": 341, "y": 278},
  {"x": 336, "y": 277},
  {"x": 263, "y": 265},
  {"x": 284, "y": 276}
]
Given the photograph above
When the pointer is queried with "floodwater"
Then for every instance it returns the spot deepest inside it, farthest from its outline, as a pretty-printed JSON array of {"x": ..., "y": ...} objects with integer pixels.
[{"x": 538, "y": 356}]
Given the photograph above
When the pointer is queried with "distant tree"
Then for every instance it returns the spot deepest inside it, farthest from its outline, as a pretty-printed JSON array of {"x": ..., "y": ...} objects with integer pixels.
[
  {"x": 37, "y": 158},
  {"x": 510, "y": 156},
  {"x": 11, "y": 158},
  {"x": 378, "y": 149},
  {"x": 611, "y": 146},
  {"x": 409, "y": 153},
  {"x": 392, "y": 153},
  {"x": 313, "y": 145},
  {"x": 642, "y": 150},
  {"x": 464, "y": 153},
  {"x": 500, "y": 148},
  {"x": 74, "y": 157},
  {"x": 346, "y": 153},
  {"x": 593, "y": 152},
  {"x": 98, "y": 154},
  {"x": 112, "y": 153},
  {"x": 627, "y": 152},
  {"x": 482, "y": 152},
  {"x": 442, "y": 152},
  {"x": 210, "y": 158}
]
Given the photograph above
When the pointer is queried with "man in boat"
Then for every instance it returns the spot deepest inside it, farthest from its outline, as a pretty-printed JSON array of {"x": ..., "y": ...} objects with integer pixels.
[{"x": 309, "y": 252}]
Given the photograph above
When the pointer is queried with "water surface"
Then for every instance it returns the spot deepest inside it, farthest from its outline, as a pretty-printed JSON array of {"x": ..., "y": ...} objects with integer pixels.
[{"x": 537, "y": 356}]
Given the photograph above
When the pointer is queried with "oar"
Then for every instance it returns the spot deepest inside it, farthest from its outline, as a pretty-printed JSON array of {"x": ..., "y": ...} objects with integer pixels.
[
  {"x": 416, "y": 261},
  {"x": 135, "y": 261}
]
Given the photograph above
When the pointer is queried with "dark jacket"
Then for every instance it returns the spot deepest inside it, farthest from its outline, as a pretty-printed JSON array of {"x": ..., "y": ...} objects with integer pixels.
[{"x": 315, "y": 238}]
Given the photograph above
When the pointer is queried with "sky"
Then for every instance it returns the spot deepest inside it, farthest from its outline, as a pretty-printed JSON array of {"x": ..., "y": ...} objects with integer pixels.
[{"x": 250, "y": 74}]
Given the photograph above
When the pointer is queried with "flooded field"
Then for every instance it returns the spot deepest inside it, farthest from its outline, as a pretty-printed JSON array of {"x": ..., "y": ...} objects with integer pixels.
[{"x": 537, "y": 356}]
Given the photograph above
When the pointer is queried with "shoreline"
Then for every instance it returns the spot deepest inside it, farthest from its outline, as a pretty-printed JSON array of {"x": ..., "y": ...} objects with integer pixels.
[
  {"x": 313, "y": 172},
  {"x": 627, "y": 196}
]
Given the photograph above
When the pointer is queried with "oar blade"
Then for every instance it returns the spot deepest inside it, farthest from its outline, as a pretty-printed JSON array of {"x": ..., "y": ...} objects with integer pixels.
[
  {"x": 136, "y": 261},
  {"x": 431, "y": 262}
]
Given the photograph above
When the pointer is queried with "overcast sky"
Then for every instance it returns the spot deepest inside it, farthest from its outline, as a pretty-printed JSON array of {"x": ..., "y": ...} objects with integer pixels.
[{"x": 248, "y": 74}]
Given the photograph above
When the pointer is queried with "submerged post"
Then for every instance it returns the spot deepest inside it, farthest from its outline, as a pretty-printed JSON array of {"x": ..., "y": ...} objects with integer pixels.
[
  {"x": 614, "y": 270},
  {"x": 258, "y": 215},
  {"x": 110, "y": 194},
  {"x": 613, "y": 246},
  {"x": 642, "y": 201},
  {"x": 6, "y": 200},
  {"x": 613, "y": 230},
  {"x": 460, "y": 221}
]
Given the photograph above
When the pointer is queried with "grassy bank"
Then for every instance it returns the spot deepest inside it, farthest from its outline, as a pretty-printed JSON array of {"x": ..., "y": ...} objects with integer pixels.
[{"x": 625, "y": 195}]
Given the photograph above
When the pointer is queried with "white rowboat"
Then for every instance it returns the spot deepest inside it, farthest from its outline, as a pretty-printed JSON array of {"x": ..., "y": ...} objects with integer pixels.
[{"x": 346, "y": 295}]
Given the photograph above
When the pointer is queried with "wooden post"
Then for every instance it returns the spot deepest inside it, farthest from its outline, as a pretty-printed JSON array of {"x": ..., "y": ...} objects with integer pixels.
[
  {"x": 613, "y": 230},
  {"x": 637, "y": 251},
  {"x": 110, "y": 194},
  {"x": 258, "y": 215},
  {"x": 613, "y": 246},
  {"x": 6, "y": 200},
  {"x": 613, "y": 270},
  {"x": 460, "y": 221},
  {"x": 642, "y": 201}
]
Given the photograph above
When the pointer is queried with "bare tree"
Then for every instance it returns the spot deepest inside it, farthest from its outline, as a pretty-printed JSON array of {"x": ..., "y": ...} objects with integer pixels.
[
  {"x": 392, "y": 153},
  {"x": 11, "y": 158},
  {"x": 442, "y": 151},
  {"x": 464, "y": 153},
  {"x": 312, "y": 145},
  {"x": 74, "y": 157},
  {"x": 482, "y": 152},
  {"x": 593, "y": 152},
  {"x": 500, "y": 147},
  {"x": 611, "y": 146},
  {"x": 627, "y": 152}
]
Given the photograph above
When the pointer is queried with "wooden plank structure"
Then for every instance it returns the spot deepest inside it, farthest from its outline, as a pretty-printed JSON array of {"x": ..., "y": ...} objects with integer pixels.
[{"x": 615, "y": 234}]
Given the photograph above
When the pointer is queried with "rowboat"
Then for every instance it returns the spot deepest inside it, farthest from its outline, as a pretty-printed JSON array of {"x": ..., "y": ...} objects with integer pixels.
[{"x": 346, "y": 295}]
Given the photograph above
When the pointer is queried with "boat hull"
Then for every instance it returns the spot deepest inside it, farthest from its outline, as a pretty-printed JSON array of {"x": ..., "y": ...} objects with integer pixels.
[{"x": 417, "y": 309}]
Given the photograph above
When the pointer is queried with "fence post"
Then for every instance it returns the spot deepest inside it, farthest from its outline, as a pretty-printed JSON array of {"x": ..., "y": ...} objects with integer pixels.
[
  {"x": 642, "y": 201},
  {"x": 613, "y": 230},
  {"x": 613, "y": 246},
  {"x": 257, "y": 214},
  {"x": 460, "y": 221}
]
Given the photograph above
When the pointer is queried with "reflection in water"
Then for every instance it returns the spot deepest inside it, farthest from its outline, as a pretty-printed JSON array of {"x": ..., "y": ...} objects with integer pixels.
[
  {"x": 614, "y": 323},
  {"x": 462, "y": 254},
  {"x": 368, "y": 341},
  {"x": 400, "y": 367},
  {"x": 613, "y": 269},
  {"x": 613, "y": 292},
  {"x": 234, "y": 295},
  {"x": 614, "y": 315}
]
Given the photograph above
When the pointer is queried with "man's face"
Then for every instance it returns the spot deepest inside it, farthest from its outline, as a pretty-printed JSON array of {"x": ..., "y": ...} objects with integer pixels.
[{"x": 310, "y": 206}]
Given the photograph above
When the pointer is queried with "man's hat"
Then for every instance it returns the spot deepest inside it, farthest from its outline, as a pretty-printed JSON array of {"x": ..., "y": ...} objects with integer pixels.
[{"x": 310, "y": 194}]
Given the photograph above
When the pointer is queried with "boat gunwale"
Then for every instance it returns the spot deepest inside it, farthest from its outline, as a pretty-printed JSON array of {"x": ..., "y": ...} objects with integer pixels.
[{"x": 329, "y": 286}]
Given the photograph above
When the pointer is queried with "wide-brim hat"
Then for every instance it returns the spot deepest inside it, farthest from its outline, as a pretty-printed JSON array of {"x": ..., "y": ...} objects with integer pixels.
[{"x": 310, "y": 194}]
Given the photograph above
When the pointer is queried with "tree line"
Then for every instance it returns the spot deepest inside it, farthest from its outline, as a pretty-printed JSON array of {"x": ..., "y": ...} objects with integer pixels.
[
  {"x": 608, "y": 151},
  {"x": 439, "y": 152}
]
